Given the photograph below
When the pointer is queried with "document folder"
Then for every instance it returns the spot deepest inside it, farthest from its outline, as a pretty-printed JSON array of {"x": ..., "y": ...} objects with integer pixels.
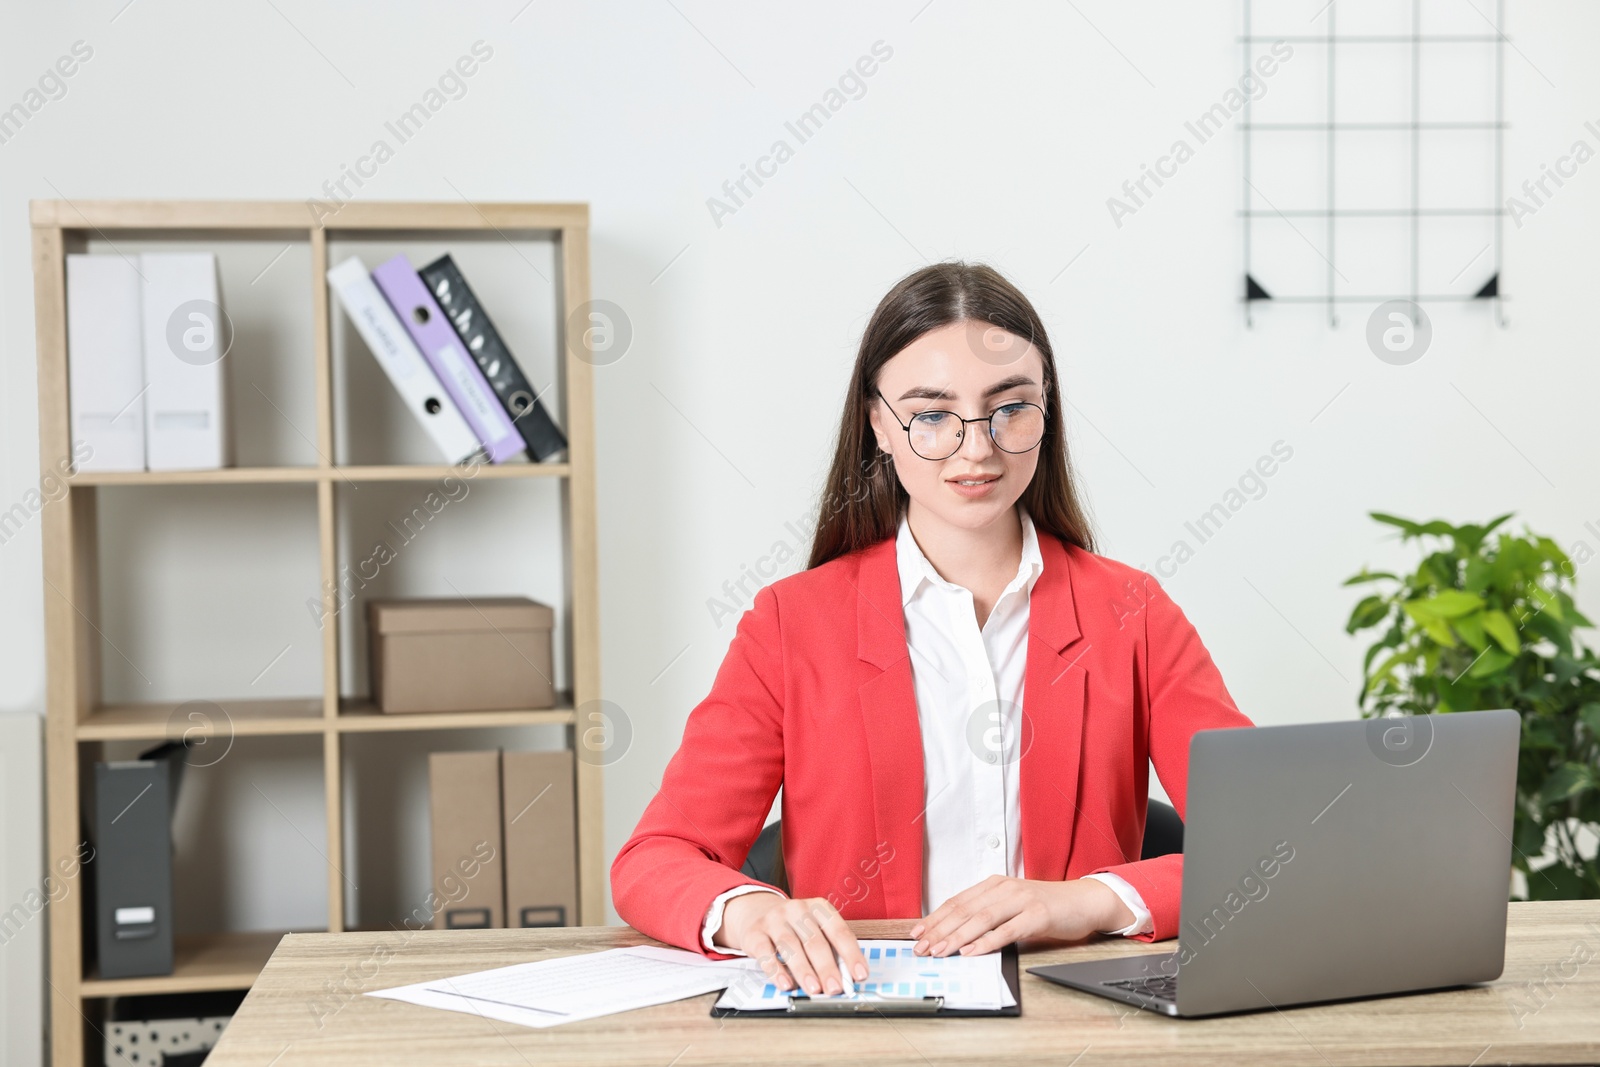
[
  {"x": 871, "y": 1005},
  {"x": 105, "y": 362},
  {"x": 186, "y": 340},
  {"x": 402, "y": 360}
]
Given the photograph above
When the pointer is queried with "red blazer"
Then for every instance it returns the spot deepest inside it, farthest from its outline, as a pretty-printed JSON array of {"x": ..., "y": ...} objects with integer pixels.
[{"x": 815, "y": 694}]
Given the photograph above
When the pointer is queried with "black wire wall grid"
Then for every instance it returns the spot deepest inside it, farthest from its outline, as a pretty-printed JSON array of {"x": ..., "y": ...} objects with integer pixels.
[{"x": 1331, "y": 295}]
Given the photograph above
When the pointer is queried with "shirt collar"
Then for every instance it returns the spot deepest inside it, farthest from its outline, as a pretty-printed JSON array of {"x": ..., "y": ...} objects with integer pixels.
[{"x": 915, "y": 568}]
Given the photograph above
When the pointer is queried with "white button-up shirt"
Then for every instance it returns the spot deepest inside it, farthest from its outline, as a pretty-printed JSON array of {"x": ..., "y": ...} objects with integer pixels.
[{"x": 969, "y": 690}]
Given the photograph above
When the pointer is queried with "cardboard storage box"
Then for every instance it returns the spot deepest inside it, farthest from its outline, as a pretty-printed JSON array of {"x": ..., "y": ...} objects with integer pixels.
[
  {"x": 541, "y": 863},
  {"x": 487, "y": 654},
  {"x": 468, "y": 869}
]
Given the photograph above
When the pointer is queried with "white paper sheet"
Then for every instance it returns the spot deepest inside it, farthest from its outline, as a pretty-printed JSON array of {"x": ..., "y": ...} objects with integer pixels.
[
  {"x": 569, "y": 988},
  {"x": 893, "y": 971}
]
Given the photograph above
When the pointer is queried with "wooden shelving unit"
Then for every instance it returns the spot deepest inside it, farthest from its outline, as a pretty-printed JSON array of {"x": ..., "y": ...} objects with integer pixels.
[{"x": 78, "y": 719}]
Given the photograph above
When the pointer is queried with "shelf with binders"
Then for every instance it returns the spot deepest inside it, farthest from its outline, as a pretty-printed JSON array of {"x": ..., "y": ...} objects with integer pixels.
[
  {"x": 147, "y": 625},
  {"x": 511, "y": 280},
  {"x": 246, "y": 809},
  {"x": 257, "y": 336},
  {"x": 224, "y": 660}
]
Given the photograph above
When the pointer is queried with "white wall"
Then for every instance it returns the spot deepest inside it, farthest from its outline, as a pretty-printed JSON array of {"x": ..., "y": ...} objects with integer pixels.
[
  {"x": 994, "y": 132},
  {"x": 24, "y": 888}
]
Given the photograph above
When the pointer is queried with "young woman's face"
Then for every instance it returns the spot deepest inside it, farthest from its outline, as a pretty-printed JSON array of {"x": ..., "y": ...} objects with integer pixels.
[{"x": 974, "y": 370}]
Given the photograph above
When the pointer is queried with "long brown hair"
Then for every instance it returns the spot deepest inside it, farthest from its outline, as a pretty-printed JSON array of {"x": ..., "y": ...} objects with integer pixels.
[{"x": 863, "y": 499}]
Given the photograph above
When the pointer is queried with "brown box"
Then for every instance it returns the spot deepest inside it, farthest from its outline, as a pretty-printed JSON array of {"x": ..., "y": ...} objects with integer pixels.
[
  {"x": 468, "y": 871},
  {"x": 488, "y": 654},
  {"x": 540, "y": 830}
]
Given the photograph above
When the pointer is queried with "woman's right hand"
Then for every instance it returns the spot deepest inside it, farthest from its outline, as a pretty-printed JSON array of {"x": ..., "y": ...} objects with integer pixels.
[{"x": 793, "y": 937}]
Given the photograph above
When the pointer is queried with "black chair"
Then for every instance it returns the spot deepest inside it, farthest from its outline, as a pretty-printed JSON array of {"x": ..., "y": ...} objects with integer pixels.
[
  {"x": 1163, "y": 836},
  {"x": 1163, "y": 831},
  {"x": 765, "y": 862}
]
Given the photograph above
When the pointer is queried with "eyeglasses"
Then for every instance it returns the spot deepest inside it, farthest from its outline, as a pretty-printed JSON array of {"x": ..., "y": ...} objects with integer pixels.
[{"x": 1014, "y": 427}]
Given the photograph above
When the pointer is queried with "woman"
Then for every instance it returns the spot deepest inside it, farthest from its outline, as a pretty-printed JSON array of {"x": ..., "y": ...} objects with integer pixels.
[{"x": 960, "y": 699}]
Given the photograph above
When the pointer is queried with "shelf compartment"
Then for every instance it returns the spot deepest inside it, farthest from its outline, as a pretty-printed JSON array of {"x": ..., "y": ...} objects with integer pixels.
[
  {"x": 201, "y": 963},
  {"x": 244, "y": 718},
  {"x": 362, "y": 716}
]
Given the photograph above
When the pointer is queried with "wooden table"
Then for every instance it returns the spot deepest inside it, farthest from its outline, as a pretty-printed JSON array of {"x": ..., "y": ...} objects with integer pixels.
[{"x": 307, "y": 1008}]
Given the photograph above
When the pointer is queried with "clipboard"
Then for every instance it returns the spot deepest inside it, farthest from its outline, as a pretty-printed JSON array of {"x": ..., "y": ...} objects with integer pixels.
[{"x": 925, "y": 1007}]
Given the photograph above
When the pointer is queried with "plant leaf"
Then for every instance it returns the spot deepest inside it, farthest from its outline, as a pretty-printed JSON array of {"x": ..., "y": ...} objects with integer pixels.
[
  {"x": 1530, "y": 836},
  {"x": 1545, "y": 625},
  {"x": 1590, "y": 714},
  {"x": 1498, "y": 625},
  {"x": 1370, "y": 576},
  {"x": 1442, "y": 567},
  {"x": 1556, "y": 882},
  {"x": 1568, "y": 780},
  {"x": 1411, "y": 529},
  {"x": 1369, "y": 612},
  {"x": 1470, "y": 627},
  {"x": 1440, "y": 631},
  {"x": 1497, "y": 521},
  {"x": 1404, "y": 656},
  {"x": 1541, "y": 734},
  {"x": 1449, "y": 603},
  {"x": 1390, "y": 640},
  {"x": 1492, "y": 661},
  {"x": 1546, "y": 599}
]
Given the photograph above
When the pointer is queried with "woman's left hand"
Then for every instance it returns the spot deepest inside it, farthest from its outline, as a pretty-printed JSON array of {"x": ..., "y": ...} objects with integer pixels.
[{"x": 999, "y": 910}]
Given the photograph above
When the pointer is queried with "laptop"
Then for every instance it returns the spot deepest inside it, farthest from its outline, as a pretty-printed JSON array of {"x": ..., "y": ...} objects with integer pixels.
[{"x": 1333, "y": 861}]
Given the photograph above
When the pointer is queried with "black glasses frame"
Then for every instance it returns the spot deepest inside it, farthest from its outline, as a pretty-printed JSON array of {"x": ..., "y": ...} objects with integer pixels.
[{"x": 961, "y": 434}]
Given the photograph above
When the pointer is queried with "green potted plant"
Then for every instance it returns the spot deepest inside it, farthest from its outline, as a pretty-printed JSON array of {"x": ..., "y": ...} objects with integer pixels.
[{"x": 1487, "y": 620}]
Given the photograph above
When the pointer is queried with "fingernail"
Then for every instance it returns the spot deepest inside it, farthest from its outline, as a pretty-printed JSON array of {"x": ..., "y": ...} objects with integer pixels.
[
  {"x": 920, "y": 947},
  {"x": 861, "y": 972},
  {"x": 811, "y": 985},
  {"x": 916, "y": 931},
  {"x": 834, "y": 986},
  {"x": 938, "y": 950}
]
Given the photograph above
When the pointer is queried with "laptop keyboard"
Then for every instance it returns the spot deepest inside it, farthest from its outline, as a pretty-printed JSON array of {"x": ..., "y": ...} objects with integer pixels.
[{"x": 1159, "y": 987}]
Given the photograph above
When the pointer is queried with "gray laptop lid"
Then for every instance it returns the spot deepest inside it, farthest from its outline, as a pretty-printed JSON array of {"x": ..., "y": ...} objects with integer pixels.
[{"x": 1345, "y": 859}]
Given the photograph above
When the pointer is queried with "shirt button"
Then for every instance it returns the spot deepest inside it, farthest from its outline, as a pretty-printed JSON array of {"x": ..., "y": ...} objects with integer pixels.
[
  {"x": 994, "y": 841},
  {"x": 991, "y": 757}
]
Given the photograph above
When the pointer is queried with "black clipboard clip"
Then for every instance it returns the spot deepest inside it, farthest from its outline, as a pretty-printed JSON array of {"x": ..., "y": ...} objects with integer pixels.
[{"x": 862, "y": 1004}]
